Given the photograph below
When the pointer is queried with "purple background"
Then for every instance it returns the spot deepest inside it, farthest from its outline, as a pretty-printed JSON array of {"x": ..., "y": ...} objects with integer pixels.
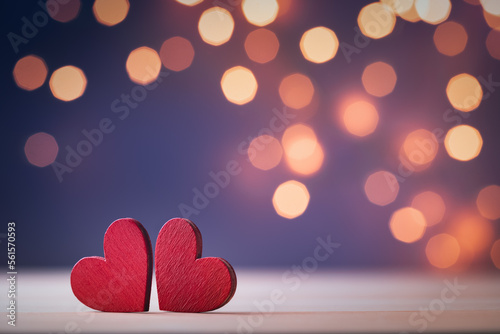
[{"x": 185, "y": 129}]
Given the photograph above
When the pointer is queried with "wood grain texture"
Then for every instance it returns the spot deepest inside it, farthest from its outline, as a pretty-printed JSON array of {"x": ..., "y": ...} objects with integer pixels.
[
  {"x": 121, "y": 281},
  {"x": 186, "y": 282},
  {"x": 326, "y": 302}
]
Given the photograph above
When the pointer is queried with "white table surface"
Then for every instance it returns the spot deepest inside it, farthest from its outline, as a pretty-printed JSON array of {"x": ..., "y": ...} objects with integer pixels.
[{"x": 326, "y": 301}]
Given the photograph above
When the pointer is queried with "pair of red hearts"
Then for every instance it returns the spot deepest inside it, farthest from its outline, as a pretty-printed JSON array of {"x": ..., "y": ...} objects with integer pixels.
[{"x": 121, "y": 281}]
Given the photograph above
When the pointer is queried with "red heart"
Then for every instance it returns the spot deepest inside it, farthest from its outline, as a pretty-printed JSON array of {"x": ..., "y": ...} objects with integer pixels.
[
  {"x": 121, "y": 281},
  {"x": 187, "y": 283}
]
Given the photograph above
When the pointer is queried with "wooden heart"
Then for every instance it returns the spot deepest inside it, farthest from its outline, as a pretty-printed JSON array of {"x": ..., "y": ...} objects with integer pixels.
[
  {"x": 186, "y": 282},
  {"x": 121, "y": 281}
]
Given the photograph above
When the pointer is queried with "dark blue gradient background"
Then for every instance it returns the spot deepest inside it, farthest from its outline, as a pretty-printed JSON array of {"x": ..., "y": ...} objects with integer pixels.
[{"x": 185, "y": 129}]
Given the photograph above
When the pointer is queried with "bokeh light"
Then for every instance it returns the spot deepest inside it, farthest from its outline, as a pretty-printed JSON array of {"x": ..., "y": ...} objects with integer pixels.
[
  {"x": 360, "y": 118},
  {"x": 473, "y": 233},
  {"x": 433, "y": 11},
  {"x": 216, "y": 26},
  {"x": 296, "y": 91},
  {"x": 177, "y": 53},
  {"x": 65, "y": 11},
  {"x": 239, "y": 85},
  {"x": 284, "y": 8},
  {"x": 410, "y": 166},
  {"x": 442, "y": 250},
  {"x": 381, "y": 188},
  {"x": 450, "y": 38},
  {"x": 407, "y": 225},
  {"x": 399, "y": 6},
  {"x": 260, "y": 12},
  {"x": 319, "y": 45},
  {"x": 372, "y": 127},
  {"x": 68, "y": 83},
  {"x": 41, "y": 149},
  {"x": 264, "y": 152},
  {"x": 493, "y": 21},
  {"x": 290, "y": 199},
  {"x": 307, "y": 165},
  {"x": 491, "y": 6},
  {"x": 376, "y": 20},
  {"x": 410, "y": 15},
  {"x": 30, "y": 72},
  {"x": 143, "y": 65},
  {"x": 261, "y": 45},
  {"x": 463, "y": 142},
  {"x": 299, "y": 141},
  {"x": 110, "y": 12},
  {"x": 431, "y": 205},
  {"x": 420, "y": 147},
  {"x": 379, "y": 79},
  {"x": 488, "y": 202},
  {"x": 495, "y": 253},
  {"x": 493, "y": 44},
  {"x": 189, "y": 3},
  {"x": 303, "y": 152},
  {"x": 464, "y": 92}
]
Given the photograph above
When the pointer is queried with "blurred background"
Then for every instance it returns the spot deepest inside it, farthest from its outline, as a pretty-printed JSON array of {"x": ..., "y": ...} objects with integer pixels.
[{"x": 269, "y": 124}]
